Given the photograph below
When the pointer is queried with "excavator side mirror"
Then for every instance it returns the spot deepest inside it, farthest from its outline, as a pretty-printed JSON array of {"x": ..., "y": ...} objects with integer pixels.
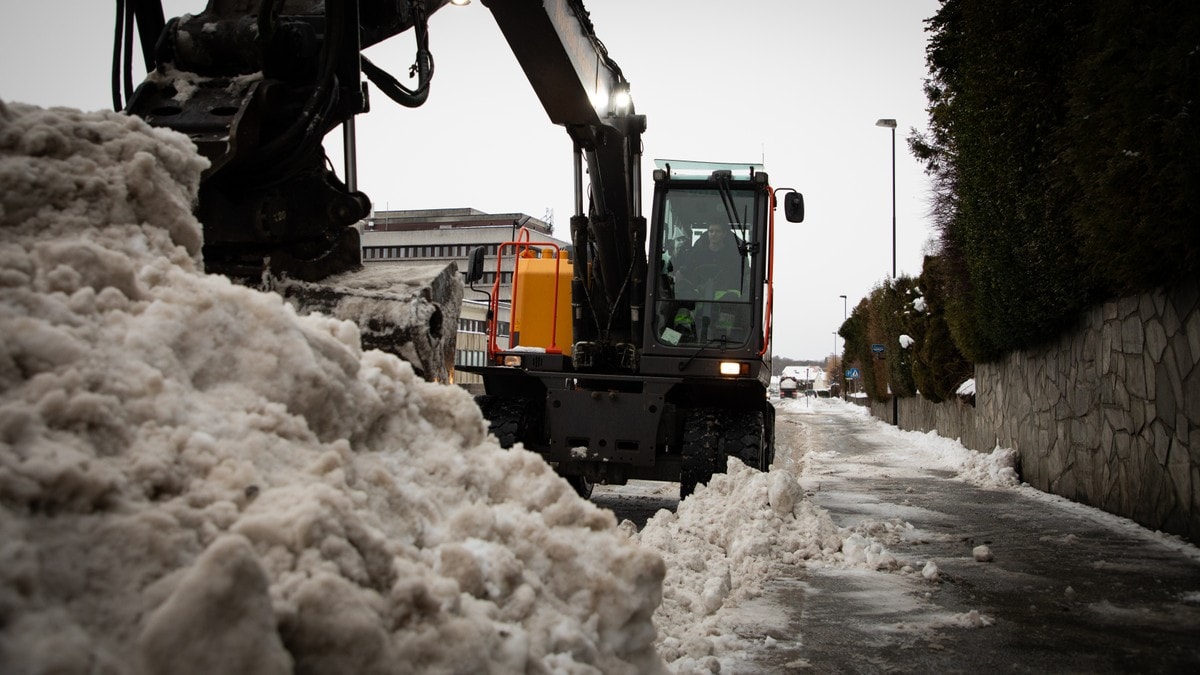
[
  {"x": 475, "y": 265},
  {"x": 793, "y": 207}
]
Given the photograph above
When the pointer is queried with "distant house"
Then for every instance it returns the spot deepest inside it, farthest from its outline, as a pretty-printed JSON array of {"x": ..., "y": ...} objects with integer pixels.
[{"x": 805, "y": 376}]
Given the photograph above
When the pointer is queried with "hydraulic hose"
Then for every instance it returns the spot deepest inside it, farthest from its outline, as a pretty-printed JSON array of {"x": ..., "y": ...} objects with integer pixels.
[{"x": 423, "y": 67}]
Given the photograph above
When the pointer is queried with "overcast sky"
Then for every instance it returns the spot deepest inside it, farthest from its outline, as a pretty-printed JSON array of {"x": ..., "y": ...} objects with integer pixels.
[{"x": 796, "y": 83}]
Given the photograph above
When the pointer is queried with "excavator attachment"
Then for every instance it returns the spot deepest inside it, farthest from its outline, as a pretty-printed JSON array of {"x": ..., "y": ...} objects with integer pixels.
[
  {"x": 257, "y": 88},
  {"x": 258, "y": 85},
  {"x": 411, "y": 312}
]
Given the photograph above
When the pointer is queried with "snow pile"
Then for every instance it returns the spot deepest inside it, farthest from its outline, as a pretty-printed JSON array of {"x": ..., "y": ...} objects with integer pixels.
[
  {"x": 996, "y": 469},
  {"x": 931, "y": 572},
  {"x": 721, "y": 545},
  {"x": 971, "y": 619},
  {"x": 967, "y": 388},
  {"x": 194, "y": 479}
]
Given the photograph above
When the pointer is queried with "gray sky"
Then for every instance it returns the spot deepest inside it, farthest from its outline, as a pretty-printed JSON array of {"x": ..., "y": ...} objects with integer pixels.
[{"x": 796, "y": 83}]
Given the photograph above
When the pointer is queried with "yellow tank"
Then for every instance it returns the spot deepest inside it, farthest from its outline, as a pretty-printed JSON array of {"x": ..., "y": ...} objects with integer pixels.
[{"x": 533, "y": 322}]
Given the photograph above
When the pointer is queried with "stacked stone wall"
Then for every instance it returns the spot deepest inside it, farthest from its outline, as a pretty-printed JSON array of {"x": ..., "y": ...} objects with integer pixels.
[{"x": 1107, "y": 415}]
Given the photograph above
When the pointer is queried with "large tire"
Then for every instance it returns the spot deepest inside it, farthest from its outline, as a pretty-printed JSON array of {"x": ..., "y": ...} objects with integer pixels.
[
  {"x": 583, "y": 486},
  {"x": 701, "y": 451},
  {"x": 507, "y": 416},
  {"x": 747, "y": 439},
  {"x": 769, "y": 428}
]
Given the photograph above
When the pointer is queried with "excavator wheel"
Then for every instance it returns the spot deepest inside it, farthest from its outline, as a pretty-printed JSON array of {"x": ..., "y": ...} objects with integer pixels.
[
  {"x": 747, "y": 439},
  {"x": 583, "y": 486},
  {"x": 769, "y": 428},
  {"x": 507, "y": 416},
  {"x": 701, "y": 452}
]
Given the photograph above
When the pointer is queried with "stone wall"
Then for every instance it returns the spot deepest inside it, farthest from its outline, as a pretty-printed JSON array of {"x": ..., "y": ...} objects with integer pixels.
[
  {"x": 1107, "y": 415},
  {"x": 953, "y": 419}
]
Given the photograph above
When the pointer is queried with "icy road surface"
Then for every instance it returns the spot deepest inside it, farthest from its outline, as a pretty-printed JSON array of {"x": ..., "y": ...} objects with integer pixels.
[{"x": 967, "y": 570}]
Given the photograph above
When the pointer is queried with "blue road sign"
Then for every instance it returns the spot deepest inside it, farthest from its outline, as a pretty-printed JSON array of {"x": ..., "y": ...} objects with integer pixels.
[
  {"x": 852, "y": 374},
  {"x": 877, "y": 348}
]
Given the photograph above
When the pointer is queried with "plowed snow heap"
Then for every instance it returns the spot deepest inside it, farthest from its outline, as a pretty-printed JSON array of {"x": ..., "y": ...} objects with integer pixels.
[{"x": 196, "y": 479}]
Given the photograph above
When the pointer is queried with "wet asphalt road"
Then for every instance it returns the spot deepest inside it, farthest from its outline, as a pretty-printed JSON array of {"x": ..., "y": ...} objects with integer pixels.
[{"x": 1070, "y": 589}]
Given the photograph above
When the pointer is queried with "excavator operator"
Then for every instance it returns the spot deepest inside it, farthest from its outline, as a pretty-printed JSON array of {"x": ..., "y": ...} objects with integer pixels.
[{"x": 714, "y": 267}]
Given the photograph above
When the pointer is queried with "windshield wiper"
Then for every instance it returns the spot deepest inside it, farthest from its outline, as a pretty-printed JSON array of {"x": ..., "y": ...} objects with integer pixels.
[
  {"x": 723, "y": 340},
  {"x": 731, "y": 214}
]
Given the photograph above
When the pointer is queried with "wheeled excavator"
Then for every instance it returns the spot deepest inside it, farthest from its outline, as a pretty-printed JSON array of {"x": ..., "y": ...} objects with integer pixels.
[
  {"x": 657, "y": 372},
  {"x": 660, "y": 368}
]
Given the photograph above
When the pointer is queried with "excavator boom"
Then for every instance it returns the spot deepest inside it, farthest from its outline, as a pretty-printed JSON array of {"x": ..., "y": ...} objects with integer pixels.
[{"x": 583, "y": 89}]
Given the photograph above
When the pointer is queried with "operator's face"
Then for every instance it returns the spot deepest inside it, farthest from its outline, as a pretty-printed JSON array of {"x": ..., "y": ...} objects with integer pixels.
[{"x": 716, "y": 235}]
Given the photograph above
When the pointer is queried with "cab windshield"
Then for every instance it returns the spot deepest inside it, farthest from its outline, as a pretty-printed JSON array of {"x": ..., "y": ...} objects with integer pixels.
[{"x": 705, "y": 254}]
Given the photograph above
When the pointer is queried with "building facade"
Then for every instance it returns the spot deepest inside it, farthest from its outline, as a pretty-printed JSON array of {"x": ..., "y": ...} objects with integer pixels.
[{"x": 444, "y": 236}]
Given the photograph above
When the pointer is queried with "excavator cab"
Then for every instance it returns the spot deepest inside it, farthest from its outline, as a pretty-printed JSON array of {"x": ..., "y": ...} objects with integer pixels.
[
  {"x": 710, "y": 243},
  {"x": 708, "y": 235}
]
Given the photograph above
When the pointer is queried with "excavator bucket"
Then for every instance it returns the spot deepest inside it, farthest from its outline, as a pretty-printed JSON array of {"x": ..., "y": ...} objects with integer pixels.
[{"x": 411, "y": 312}]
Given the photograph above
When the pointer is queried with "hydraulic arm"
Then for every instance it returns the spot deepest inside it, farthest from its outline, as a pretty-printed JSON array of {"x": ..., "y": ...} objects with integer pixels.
[
  {"x": 257, "y": 86},
  {"x": 584, "y": 90}
]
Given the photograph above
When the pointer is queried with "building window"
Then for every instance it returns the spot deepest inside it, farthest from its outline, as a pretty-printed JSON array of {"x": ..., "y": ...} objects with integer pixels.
[{"x": 472, "y": 326}]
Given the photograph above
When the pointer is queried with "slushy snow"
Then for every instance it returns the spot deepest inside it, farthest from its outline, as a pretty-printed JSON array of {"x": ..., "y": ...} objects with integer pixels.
[{"x": 195, "y": 479}]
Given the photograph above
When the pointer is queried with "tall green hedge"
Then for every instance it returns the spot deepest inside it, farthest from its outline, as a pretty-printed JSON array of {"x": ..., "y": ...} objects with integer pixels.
[
  {"x": 859, "y": 332},
  {"x": 1065, "y": 152},
  {"x": 931, "y": 366},
  {"x": 1131, "y": 151},
  {"x": 1064, "y": 147},
  {"x": 939, "y": 367}
]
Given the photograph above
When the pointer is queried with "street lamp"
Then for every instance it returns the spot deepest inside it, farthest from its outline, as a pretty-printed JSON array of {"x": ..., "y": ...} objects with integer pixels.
[
  {"x": 891, "y": 124},
  {"x": 845, "y": 313}
]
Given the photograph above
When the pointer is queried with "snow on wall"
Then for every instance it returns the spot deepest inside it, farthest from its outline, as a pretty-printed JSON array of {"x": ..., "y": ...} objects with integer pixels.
[{"x": 195, "y": 479}]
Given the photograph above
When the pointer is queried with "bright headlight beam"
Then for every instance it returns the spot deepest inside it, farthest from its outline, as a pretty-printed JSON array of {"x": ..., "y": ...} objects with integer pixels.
[{"x": 621, "y": 100}]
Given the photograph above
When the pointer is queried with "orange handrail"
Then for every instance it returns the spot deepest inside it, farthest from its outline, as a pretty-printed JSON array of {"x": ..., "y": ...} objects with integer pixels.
[
  {"x": 770, "y": 271},
  {"x": 521, "y": 245}
]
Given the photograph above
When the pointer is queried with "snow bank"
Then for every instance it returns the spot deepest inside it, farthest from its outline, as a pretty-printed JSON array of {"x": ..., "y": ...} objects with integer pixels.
[
  {"x": 995, "y": 469},
  {"x": 195, "y": 479},
  {"x": 724, "y": 542}
]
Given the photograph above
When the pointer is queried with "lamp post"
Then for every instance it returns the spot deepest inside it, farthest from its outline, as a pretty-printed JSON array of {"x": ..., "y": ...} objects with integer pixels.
[
  {"x": 845, "y": 382},
  {"x": 888, "y": 123}
]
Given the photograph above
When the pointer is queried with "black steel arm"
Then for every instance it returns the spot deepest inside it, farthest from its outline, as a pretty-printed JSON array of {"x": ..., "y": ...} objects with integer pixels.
[{"x": 583, "y": 89}]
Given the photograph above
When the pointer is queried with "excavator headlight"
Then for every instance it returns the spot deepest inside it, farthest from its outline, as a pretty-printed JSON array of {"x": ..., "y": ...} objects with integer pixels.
[
  {"x": 621, "y": 100},
  {"x": 734, "y": 368},
  {"x": 513, "y": 360}
]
